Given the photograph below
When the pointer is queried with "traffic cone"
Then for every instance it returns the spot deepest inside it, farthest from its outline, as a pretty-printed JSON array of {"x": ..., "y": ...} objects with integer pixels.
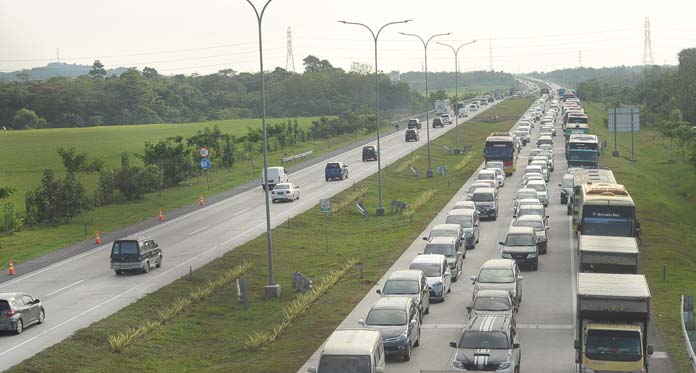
[
  {"x": 12, "y": 271},
  {"x": 201, "y": 201},
  {"x": 161, "y": 217},
  {"x": 98, "y": 239}
]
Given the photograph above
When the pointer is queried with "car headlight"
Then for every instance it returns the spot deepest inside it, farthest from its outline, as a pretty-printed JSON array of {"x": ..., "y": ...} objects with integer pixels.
[
  {"x": 458, "y": 364},
  {"x": 507, "y": 256},
  {"x": 505, "y": 364},
  {"x": 531, "y": 255}
]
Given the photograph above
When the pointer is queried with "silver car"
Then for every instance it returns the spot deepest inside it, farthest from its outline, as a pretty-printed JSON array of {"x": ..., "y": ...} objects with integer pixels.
[
  {"x": 437, "y": 274},
  {"x": 542, "y": 192},
  {"x": 499, "y": 274},
  {"x": 19, "y": 310},
  {"x": 541, "y": 230}
]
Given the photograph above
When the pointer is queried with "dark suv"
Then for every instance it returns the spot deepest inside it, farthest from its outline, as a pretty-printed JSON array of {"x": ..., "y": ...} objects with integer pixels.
[
  {"x": 19, "y": 310},
  {"x": 137, "y": 254},
  {"x": 412, "y": 135},
  {"x": 369, "y": 153},
  {"x": 437, "y": 122}
]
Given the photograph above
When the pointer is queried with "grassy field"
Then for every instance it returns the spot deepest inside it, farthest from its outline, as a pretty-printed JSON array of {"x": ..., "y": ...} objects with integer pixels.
[
  {"x": 209, "y": 335},
  {"x": 663, "y": 187},
  {"x": 106, "y": 143}
]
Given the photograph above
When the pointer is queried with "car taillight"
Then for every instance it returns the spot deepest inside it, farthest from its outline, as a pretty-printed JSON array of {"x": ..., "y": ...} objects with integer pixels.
[{"x": 10, "y": 313}]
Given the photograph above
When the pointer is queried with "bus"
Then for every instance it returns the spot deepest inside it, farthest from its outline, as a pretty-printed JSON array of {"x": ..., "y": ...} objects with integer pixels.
[
  {"x": 582, "y": 151},
  {"x": 500, "y": 146},
  {"x": 581, "y": 128},
  {"x": 584, "y": 176},
  {"x": 607, "y": 210}
]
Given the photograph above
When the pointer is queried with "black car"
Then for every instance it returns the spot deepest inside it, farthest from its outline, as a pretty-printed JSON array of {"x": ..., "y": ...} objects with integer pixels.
[
  {"x": 369, "y": 153},
  {"x": 137, "y": 254},
  {"x": 412, "y": 135},
  {"x": 437, "y": 122},
  {"x": 19, "y": 310}
]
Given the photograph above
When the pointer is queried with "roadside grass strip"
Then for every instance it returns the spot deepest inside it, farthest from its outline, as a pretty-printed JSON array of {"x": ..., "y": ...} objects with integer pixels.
[
  {"x": 461, "y": 164},
  {"x": 421, "y": 200},
  {"x": 120, "y": 341},
  {"x": 350, "y": 198},
  {"x": 406, "y": 163},
  {"x": 297, "y": 308}
]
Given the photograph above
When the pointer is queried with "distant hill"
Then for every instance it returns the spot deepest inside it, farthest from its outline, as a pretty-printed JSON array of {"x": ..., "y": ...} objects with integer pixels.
[
  {"x": 623, "y": 75},
  {"x": 53, "y": 69}
]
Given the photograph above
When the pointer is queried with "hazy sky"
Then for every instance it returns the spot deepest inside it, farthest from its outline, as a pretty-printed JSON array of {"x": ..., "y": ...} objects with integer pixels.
[{"x": 209, "y": 35}]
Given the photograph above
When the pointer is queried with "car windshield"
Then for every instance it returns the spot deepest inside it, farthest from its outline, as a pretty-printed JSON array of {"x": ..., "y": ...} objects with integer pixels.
[
  {"x": 344, "y": 364},
  {"x": 430, "y": 269},
  {"x": 491, "y": 304},
  {"x": 386, "y": 317},
  {"x": 474, "y": 339},
  {"x": 519, "y": 240},
  {"x": 400, "y": 287},
  {"x": 496, "y": 275},
  {"x": 466, "y": 221},
  {"x": 537, "y": 225},
  {"x": 475, "y": 186},
  {"x": 282, "y": 186},
  {"x": 442, "y": 249},
  {"x": 482, "y": 197},
  {"x": 527, "y": 194},
  {"x": 537, "y": 186},
  {"x": 486, "y": 176},
  {"x": 530, "y": 211},
  {"x": 125, "y": 247},
  {"x": 613, "y": 345}
]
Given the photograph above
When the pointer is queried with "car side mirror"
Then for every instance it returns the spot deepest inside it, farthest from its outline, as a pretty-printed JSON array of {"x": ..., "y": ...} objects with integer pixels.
[
  {"x": 361, "y": 322},
  {"x": 516, "y": 345},
  {"x": 312, "y": 370},
  {"x": 459, "y": 253},
  {"x": 414, "y": 322},
  {"x": 469, "y": 308},
  {"x": 425, "y": 238},
  {"x": 472, "y": 278},
  {"x": 547, "y": 216},
  {"x": 559, "y": 184},
  {"x": 379, "y": 291},
  {"x": 36, "y": 301},
  {"x": 453, "y": 344},
  {"x": 501, "y": 243},
  {"x": 576, "y": 344},
  {"x": 520, "y": 278}
]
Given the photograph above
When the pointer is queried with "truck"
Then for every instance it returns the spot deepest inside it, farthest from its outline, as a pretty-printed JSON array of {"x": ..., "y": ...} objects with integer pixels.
[
  {"x": 608, "y": 254},
  {"x": 442, "y": 106},
  {"x": 613, "y": 312}
]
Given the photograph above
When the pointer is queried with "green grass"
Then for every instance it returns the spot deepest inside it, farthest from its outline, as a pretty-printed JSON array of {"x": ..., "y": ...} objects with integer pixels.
[
  {"x": 23, "y": 171},
  {"x": 663, "y": 187},
  {"x": 210, "y": 336}
]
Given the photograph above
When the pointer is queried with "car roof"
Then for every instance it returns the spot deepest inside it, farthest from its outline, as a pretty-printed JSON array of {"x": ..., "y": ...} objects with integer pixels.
[
  {"x": 530, "y": 218},
  {"x": 467, "y": 212},
  {"x": 520, "y": 230},
  {"x": 465, "y": 203},
  {"x": 392, "y": 303},
  {"x": 429, "y": 258},
  {"x": 484, "y": 190},
  {"x": 498, "y": 263},
  {"x": 352, "y": 342},
  {"x": 492, "y": 293},
  {"x": 405, "y": 274},
  {"x": 526, "y": 190},
  {"x": 444, "y": 240},
  {"x": 9, "y": 295},
  {"x": 447, "y": 227},
  {"x": 487, "y": 171},
  {"x": 532, "y": 206},
  {"x": 488, "y": 323},
  {"x": 536, "y": 182}
]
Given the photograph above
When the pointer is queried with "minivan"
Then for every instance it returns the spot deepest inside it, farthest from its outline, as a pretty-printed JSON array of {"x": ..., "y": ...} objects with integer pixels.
[
  {"x": 409, "y": 282},
  {"x": 276, "y": 175},
  {"x": 437, "y": 274},
  {"x": 336, "y": 170},
  {"x": 486, "y": 200},
  {"x": 414, "y": 123},
  {"x": 360, "y": 349},
  {"x": 137, "y": 254},
  {"x": 398, "y": 320}
]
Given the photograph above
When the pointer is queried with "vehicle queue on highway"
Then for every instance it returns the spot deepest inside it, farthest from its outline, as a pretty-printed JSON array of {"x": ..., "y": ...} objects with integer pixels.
[{"x": 613, "y": 301}]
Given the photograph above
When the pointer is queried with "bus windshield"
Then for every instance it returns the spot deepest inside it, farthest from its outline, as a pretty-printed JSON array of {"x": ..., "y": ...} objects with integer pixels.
[{"x": 498, "y": 150}]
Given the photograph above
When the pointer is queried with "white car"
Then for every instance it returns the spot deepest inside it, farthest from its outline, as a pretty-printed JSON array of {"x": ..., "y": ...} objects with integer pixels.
[
  {"x": 499, "y": 176},
  {"x": 446, "y": 118},
  {"x": 524, "y": 193},
  {"x": 285, "y": 192},
  {"x": 542, "y": 192}
]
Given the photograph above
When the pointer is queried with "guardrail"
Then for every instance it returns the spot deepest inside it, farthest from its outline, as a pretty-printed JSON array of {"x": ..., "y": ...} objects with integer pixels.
[
  {"x": 688, "y": 328},
  {"x": 295, "y": 157}
]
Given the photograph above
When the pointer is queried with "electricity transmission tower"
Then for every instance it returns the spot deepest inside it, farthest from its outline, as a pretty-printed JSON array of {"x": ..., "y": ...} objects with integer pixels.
[
  {"x": 579, "y": 58},
  {"x": 490, "y": 53},
  {"x": 648, "y": 59},
  {"x": 290, "y": 60}
]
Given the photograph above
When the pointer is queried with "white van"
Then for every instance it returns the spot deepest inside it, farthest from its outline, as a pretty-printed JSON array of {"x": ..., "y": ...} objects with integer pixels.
[
  {"x": 276, "y": 175},
  {"x": 356, "y": 350}
]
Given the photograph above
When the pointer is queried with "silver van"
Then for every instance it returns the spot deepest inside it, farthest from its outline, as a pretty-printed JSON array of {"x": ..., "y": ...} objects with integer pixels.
[
  {"x": 353, "y": 350},
  {"x": 409, "y": 282}
]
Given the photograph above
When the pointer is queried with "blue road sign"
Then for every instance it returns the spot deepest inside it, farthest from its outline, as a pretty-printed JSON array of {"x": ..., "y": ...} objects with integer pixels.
[{"x": 205, "y": 163}]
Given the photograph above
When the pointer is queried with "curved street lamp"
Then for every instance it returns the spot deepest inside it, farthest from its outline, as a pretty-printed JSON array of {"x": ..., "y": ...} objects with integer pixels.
[
  {"x": 456, "y": 83},
  {"x": 427, "y": 118},
  {"x": 380, "y": 208}
]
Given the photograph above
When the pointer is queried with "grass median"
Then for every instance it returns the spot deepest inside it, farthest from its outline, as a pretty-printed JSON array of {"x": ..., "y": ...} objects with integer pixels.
[
  {"x": 663, "y": 187},
  {"x": 210, "y": 335}
]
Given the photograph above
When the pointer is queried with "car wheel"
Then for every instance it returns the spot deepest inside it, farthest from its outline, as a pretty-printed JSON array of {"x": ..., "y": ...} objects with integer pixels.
[
  {"x": 427, "y": 310},
  {"x": 20, "y": 327},
  {"x": 407, "y": 354},
  {"x": 42, "y": 317},
  {"x": 536, "y": 266},
  {"x": 159, "y": 262},
  {"x": 273, "y": 201},
  {"x": 327, "y": 179},
  {"x": 418, "y": 340},
  {"x": 118, "y": 272},
  {"x": 146, "y": 268}
]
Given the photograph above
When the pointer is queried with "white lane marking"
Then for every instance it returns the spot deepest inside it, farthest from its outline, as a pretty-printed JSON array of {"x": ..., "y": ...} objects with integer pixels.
[
  {"x": 101, "y": 304},
  {"x": 199, "y": 230},
  {"x": 659, "y": 355},
  {"x": 519, "y": 326},
  {"x": 241, "y": 211},
  {"x": 65, "y": 287}
]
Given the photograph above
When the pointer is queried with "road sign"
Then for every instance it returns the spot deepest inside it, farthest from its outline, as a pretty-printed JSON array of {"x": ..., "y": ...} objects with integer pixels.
[
  {"x": 325, "y": 205},
  {"x": 205, "y": 163},
  {"x": 204, "y": 152},
  {"x": 627, "y": 119}
]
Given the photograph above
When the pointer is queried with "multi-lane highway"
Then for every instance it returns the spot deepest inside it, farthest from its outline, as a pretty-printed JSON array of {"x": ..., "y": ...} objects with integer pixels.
[
  {"x": 82, "y": 289},
  {"x": 546, "y": 316}
]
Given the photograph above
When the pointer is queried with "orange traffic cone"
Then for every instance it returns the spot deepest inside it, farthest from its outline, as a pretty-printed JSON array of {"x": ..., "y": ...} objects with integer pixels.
[
  {"x": 12, "y": 271},
  {"x": 201, "y": 201},
  {"x": 98, "y": 239},
  {"x": 161, "y": 217}
]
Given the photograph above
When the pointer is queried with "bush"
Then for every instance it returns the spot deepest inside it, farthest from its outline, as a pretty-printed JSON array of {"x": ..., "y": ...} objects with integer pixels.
[{"x": 56, "y": 200}]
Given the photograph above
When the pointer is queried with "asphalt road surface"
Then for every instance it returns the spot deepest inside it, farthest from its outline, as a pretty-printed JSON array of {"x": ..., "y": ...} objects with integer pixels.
[
  {"x": 82, "y": 289},
  {"x": 546, "y": 316}
]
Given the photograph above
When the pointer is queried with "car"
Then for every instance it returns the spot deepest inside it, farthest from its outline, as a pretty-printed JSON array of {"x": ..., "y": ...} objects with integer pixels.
[
  {"x": 412, "y": 135},
  {"x": 541, "y": 230},
  {"x": 276, "y": 175},
  {"x": 437, "y": 122},
  {"x": 446, "y": 230},
  {"x": 549, "y": 158},
  {"x": 398, "y": 320},
  {"x": 523, "y": 193},
  {"x": 473, "y": 107},
  {"x": 135, "y": 254},
  {"x": 469, "y": 221},
  {"x": 529, "y": 177},
  {"x": 20, "y": 310},
  {"x": 566, "y": 187},
  {"x": 437, "y": 274},
  {"x": 534, "y": 169},
  {"x": 446, "y": 118},
  {"x": 451, "y": 249},
  {"x": 285, "y": 192},
  {"x": 479, "y": 184},
  {"x": 336, "y": 170},
  {"x": 532, "y": 153},
  {"x": 523, "y": 135},
  {"x": 488, "y": 343},
  {"x": 487, "y": 174},
  {"x": 542, "y": 192},
  {"x": 414, "y": 123},
  {"x": 547, "y": 147},
  {"x": 544, "y": 164},
  {"x": 408, "y": 282},
  {"x": 464, "y": 205},
  {"x": 499, "y": 176},
  {"x": 361, "y": 349},
  {"x": 523, "y": 202},
  {"x": 520, "y": 244},
  {"x": 369, "y": 153},
  {"x": 499, "y": 274},
  {"x": 544, "y": 140},
  {"x": 530, "y": 209},
  {"x": 486, "y": 200},
  {"x": 491, "y": 303}
]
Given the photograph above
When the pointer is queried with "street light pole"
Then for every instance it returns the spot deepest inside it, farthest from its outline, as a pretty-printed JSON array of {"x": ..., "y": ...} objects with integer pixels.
[
  {"x": 456, "y": 84},
  {"x": 272, "y": 290},
  {"x": 427, "y": 117},
  {"x": 381, "y": 211}
]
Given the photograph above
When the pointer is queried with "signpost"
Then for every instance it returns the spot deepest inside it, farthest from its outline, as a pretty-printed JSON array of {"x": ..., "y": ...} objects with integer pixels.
[
  {"x": 205, "y": 165},
  {"x": 325, "y": 207},
  {"x": 626, "y": 119}
]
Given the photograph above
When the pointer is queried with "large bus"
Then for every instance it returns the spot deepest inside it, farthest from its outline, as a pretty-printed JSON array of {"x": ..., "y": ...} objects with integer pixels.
[
  {"x": 581, "y": 128},
  {"x": 584, "y": 176},
  {"x": 500, "y": 146},
  {"x": 607, "y": 210},
  {"x": 582, "y": 151}
]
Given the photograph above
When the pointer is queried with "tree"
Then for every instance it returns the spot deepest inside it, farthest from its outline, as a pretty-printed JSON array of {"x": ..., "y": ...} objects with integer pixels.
[
  {"x": 75, "y": 163},
  {"x": 687, "y": 83},
  {"x": 171, "y": 155},
  {"x": 312, "y": 64},
  {"x": 150, "y": 73},
  {"x": 24, "y": 75},
  {"x": 98, "y": 70},
  {"x": 5, "y": 192},
  {"x": 56, "y": 200},
  {"x": 26, "y": 119}
]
